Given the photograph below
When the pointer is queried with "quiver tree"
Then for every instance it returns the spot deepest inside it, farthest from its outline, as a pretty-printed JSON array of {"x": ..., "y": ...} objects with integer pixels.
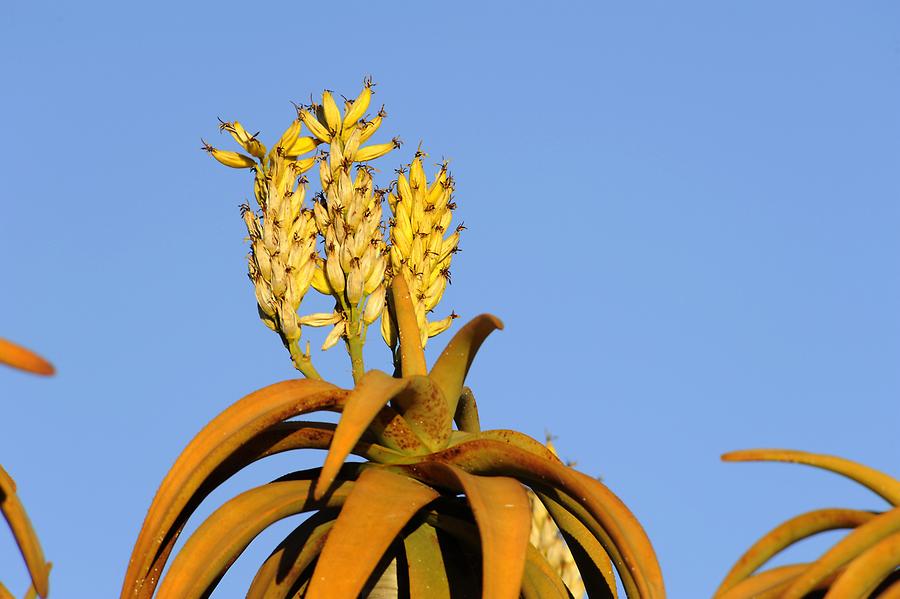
[{"x": 437, "y": 502}]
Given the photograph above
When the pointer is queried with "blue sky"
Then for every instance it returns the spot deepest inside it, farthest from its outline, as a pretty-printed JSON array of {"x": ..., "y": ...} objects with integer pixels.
[{"x": 686, "y": 214}]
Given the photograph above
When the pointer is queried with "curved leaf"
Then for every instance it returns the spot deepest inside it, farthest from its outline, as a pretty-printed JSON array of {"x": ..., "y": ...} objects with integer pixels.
[
  {"x": 212, "y": 446},
  {"x": 17, "y": 356},
  {"x": 879, "y": 482},
  {"x": 452, "y": 366},
  {"x": 503, "y": 516},
  {"x": 372, "y": 392},
  {"x": 788, "y": 533},
  {"x": 377, "y": 509},
  {"x": 765, "y": 585},
  {"x": 856, "y": 542},
  {"x": 4, "y": 592},
  {"x": 590, "y": 557},
  {"x": 412, "y": 356},
  {"x": 539, "y": 580},
  {"x": 23, "y": 533},
  {"x": 226, "y": 533},
  {"x": 621, "y": 534},
  {"x": 283, "y": 569},
  {"x": 427, "y": 570},
  {"x": 869, "y": 570},
  {"x": 466, "y": 415}
]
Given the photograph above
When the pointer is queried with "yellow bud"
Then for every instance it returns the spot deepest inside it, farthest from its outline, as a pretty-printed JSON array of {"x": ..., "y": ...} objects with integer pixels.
[
  {"x": 290, "y": 328},
  {"x": 232, "y": 159},
  {"x": 314, "y": 126},
  {"x": 372, "y": 126},
  {"x": 417, "y": 177},
  {"x": 355, "y": 283},
  {"x": 375, "y": 151},
  {"x": 335, "y": 273},
  {"x": 301, "y": 166},
  {"x": 264, "y": 298},
  {"x": 359, "y": 106},
  {"x": 301, "y": 145},
  {"x": 334, "y": 336},
  {"x": 404, "y": 190},
  {"x": 320, "y": 282},
  {"x": 287, "y": 138},
  {"x": 320, "y": 319},
  {"x": 448, "y": 246},
  {"x": 374, "y": 305},
  {"x": 388, "y": 328},
  {"x": 332, "y": 113},
  {"x": 376, "y": 277},
  {"x": 439, "y": 326}
]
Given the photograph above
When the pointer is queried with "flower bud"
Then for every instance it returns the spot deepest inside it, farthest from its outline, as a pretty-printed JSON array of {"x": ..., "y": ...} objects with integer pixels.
[{"x": 374, "y": 305}]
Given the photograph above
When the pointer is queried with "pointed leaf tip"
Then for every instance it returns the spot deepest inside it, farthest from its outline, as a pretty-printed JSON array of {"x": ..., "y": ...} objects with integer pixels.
[
  {"x": 17, "y": 356},
  {"x": 450, "y": 370}
]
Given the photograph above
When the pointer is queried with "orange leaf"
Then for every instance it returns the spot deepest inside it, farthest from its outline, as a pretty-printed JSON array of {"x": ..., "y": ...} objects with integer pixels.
[
  {"x": 412, "y": 356},
  {"x": 879, "y": 482},
  {"x": 372, "y": 392},
  {"x": 24, "y": 534},
  {"x": 856, "y": 542},
  {"x": 619, "y": 531},
  {"x": 212, "y": 446},
  {"x": 452, "y": 366},
  {"x": 377, "y": 509},
  {"x": 788, "y": 533},
  {"x": 284, "y": 568},
  {"x": 765, "y": 585},
  {"x": 23, "y": 359},
  {"x": 503, "y": 516},
  {"x": 867, "y": 571},
  {"x": 217, "y": 542},
  {"x": 539, "y": 580}
]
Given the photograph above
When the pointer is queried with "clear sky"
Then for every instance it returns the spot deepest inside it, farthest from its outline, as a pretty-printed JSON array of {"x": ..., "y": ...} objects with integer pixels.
[{"x": 686, "y": 213}]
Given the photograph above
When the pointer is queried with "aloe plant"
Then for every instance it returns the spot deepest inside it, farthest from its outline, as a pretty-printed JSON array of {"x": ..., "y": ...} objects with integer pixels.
[
  {"x": 864, "y": 563},
  {"x": 437, "y": 501},
  {"x": 11, "y": 506}
]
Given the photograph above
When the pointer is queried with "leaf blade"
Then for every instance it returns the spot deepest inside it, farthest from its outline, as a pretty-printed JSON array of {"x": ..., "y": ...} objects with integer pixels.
[{"x": 377, "y": 509}]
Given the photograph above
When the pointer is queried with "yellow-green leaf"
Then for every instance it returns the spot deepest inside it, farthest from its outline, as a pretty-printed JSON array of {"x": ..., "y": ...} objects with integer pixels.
[
  {"x": 377, "y": 509},
  {"x": 539, "y": 580},
  {"x": 427, "y": 570}
]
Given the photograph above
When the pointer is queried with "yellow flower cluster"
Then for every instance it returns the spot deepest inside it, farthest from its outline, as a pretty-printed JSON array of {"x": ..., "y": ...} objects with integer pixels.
[
  {"x": 355, "y": 264},
  {"x": 282, "y": 234},
  {"x": 421, "y": 247}
]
